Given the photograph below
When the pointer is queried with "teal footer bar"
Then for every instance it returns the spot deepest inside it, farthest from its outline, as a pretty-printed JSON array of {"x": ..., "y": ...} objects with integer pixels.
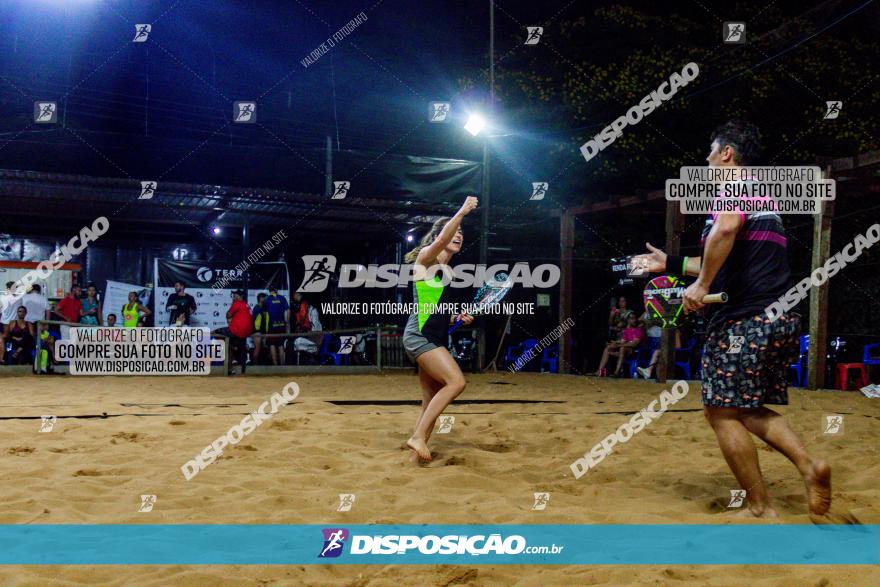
[{"x": 627, "y": 544}]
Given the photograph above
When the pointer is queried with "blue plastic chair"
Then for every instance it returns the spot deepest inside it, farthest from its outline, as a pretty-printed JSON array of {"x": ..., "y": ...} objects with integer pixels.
[
  {"x": 527, "y": 345},
  {"x": 800, "y": 367},
  {"x": 550, "y": 359},
  {"x": 325, "y": 354},
  {"x": 642, "y": 356},
  {"x": 685, "y": 365},
  {"x": 514, "y": 352},
  {"x": 634, "y": 361},
  {"x": 867, "y": 359},
  {"x": 511, "y": 355},
  {"x": 8, "y": 356}
]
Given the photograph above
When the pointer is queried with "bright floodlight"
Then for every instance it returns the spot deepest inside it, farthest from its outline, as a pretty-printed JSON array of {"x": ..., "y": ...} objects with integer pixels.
[
  {"x": 475, "y": 124},
  {"x": 409, "y": 238},
  {"x": 216, "y": 230}
]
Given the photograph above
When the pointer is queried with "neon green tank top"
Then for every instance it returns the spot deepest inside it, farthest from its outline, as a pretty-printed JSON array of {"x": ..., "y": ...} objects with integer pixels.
[{"x": 130, "y": 315}]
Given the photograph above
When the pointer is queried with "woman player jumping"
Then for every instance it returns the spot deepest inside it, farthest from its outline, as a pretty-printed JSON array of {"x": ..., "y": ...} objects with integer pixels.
[{"x": 426, "y": 333}]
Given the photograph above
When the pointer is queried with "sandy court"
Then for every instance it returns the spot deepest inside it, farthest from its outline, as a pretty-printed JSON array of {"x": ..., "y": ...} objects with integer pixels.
[{"x": 93, "y": 468}]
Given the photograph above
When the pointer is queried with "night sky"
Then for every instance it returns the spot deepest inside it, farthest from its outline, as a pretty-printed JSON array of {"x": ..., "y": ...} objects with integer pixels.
[{"x": 163, "y": 108}]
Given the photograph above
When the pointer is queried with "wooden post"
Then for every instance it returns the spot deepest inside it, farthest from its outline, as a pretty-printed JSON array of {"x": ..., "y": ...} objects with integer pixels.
[
  {"x": 674, "y": 228},
  {"x": 819, "y": 296},
  {"x": 566, "y": 245},
  {"x": 378, "y": 347}
]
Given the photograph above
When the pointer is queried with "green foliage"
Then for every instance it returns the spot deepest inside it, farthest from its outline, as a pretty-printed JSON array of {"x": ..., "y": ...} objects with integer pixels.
[{"x": 588, "y": 69}]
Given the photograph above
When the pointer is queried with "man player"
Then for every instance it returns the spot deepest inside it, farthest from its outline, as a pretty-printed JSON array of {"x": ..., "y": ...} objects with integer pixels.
[{"x": 745, "y": 255}]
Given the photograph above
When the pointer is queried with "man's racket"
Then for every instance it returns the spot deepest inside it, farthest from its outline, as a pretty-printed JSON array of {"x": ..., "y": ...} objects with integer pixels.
[
  {"x": 664, "y": 300},
  {"x": 491, "y": 293}
]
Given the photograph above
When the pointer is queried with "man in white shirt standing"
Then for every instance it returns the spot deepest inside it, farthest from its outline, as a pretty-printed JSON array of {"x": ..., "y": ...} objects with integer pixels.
[
  {"x": 9, "y": 303},
  {"x": 36, "y": 303},
  {"x": 37, "y": 309}
]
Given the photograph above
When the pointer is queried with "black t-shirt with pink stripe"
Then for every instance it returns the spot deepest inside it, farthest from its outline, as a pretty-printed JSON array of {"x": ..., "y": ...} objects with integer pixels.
[{"x": 756, "y": 273}]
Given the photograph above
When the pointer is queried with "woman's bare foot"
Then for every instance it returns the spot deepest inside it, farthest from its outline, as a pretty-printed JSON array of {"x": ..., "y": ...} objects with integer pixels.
[
  {"x": 418, "y": 445},
  {"x": 818, "y": 483}
]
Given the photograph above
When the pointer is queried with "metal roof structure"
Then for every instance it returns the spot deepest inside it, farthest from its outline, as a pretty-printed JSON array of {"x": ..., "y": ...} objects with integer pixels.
[{"x": 34, "y": 197}]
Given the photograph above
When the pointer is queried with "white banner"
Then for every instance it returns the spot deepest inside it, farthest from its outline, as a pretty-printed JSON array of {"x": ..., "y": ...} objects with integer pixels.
[
  {"x": 201, "y": 280},
  {"x": 116, "y": 296}
]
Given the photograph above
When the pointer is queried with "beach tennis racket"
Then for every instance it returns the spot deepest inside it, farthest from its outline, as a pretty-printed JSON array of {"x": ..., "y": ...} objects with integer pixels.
[
  {"x": 491, "y": 293},
  {"x": 664, "y": 300}
]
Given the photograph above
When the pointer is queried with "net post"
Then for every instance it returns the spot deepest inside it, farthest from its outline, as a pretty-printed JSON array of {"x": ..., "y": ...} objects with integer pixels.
[
  {"x": 674, "y": 228},
  {"x": 38, "y": 345},
  {"x": 819, "y": 295},
  {"x": 566, "y": 245},
  {"x": 378, "y": 346},
  {"x": 226, "y": 358}
]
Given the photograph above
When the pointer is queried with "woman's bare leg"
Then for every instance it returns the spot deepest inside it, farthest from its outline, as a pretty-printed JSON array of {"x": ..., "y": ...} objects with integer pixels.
[
  {"x": 605, "y": 354},
  {"x": 621, "y": 356},
  {"x": 439, "y": 365},
  {"x": 430, "y": 387},
  {"x": 429, "y": 390}
]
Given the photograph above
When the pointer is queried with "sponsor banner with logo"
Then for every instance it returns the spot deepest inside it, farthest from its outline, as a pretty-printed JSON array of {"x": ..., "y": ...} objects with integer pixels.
[
  {"x": 534, "y": 544},
  {"x": 211, "y": 284},
  {"x": 116, "y": 296}
]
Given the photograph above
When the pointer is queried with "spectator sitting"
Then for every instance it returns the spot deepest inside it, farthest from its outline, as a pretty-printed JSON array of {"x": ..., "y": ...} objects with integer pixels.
[
  {"x": 20, "y": 335},
  {"x": 653, "y": 330},
  {"x": 646, "y": 372},
  {"x": 9, "y": 303},
  {"x": 618, "y": 319},
  {"x": 90, "y": 314},
  {"x": 261, "y": 325},
  {"x": 133, "y": 311},
  {"x": 631, "y": 337},
  {"x": 306, "y": 320},
  {"x": 111, "y": 321}
]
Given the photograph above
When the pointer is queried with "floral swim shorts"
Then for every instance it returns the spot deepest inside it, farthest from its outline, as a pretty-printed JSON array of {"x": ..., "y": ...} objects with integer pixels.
[{"x": 745, "y": 361}]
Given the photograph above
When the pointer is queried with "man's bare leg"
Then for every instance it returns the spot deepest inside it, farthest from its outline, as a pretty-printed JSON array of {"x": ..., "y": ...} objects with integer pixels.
[
  {"x": 742, "y": 457},
  {"x": 258, "y": 346},
  {"x": 772, "y": 428}
]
